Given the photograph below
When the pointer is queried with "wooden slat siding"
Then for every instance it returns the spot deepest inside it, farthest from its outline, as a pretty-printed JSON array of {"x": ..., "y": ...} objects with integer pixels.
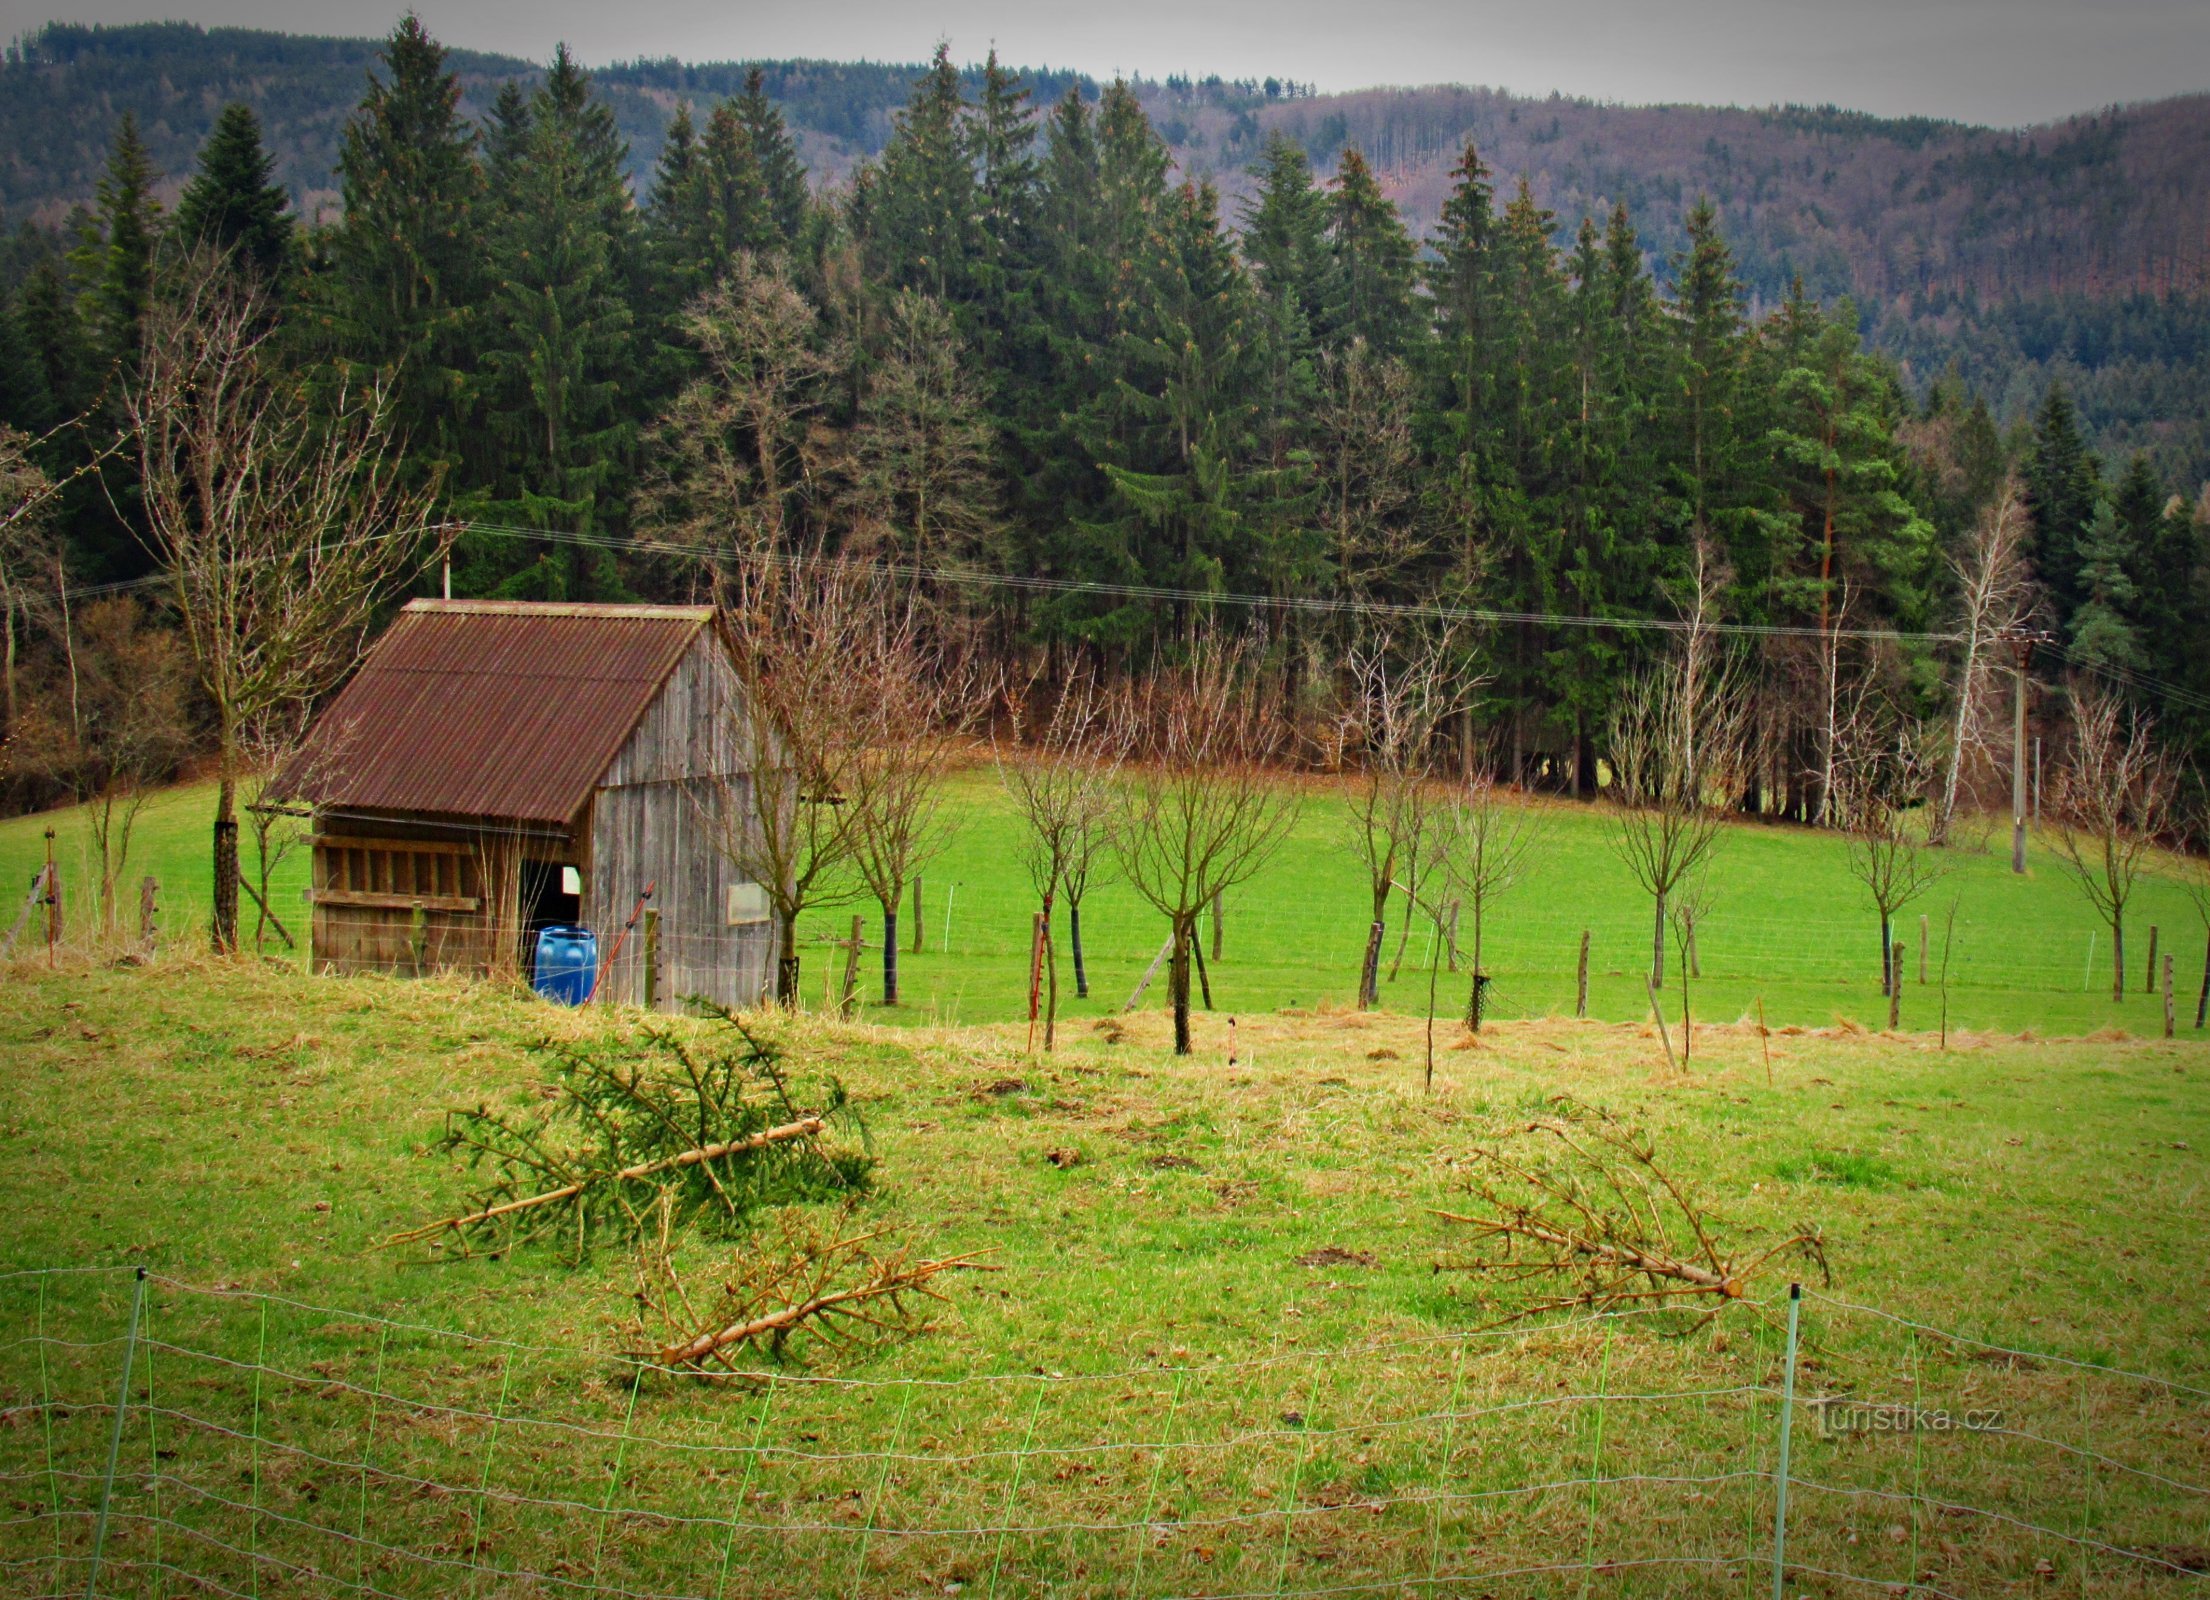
[
  {"x": 365, "y": 886},
  {"x": 656, "y": 819}
]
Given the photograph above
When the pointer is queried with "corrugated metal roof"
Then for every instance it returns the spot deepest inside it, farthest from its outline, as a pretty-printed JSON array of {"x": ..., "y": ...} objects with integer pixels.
[{"x": 505, "y": 709}]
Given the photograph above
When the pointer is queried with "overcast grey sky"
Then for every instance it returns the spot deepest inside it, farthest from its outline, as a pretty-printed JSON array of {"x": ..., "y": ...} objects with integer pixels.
[{"x": 2001, "y": 61}]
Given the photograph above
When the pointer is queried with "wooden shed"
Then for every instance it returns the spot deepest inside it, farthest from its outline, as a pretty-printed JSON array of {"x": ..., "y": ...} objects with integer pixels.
[{"x": 496, "y": 767}]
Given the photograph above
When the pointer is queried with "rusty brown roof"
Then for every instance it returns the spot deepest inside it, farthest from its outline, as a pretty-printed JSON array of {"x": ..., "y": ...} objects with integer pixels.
[{"x": 502, "y": 709}]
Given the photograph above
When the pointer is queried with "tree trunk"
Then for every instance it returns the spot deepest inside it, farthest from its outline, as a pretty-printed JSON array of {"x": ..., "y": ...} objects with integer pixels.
[
  {"x": 1051, "y": 987},
  {"x": 1074, "y": 941},
  {"x": 786, "y": 958},
  {"x": 890, "y": 952},
  {"x": 2118, "y": 955},
  {"x": 1177, "y": 982},
  {"x": 224, "y": 931},
  {"x": 1369, "y": 959},
  {"x": 1657, "y": 945},
  {"x": 2202, "y": 1001},
  {"x": 1480, "y": 979},
  {"x": 1887, "y": 953}
]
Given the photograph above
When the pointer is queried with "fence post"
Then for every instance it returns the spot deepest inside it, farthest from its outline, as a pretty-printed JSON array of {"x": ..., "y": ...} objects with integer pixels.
[
  {"x": 920, "y": 930},
  {"x": 418, "y": 935},
  {"x": 2150, "y": 986},
  {"x": 1780, "y": 1470},
  {"x": 1216, "y": 926},
  {"x": 115, "y": 1433},
  {"x": 1580, "y": 985},
  {"x": 1922, "y": 948},
  {"x": 149, "y": 924},
  {"x": 2169, "y": 1019},
  {"x": 1895, "y": 987},
  {"x": 848, "y": 1002},
  {"x": 652, "y": 957}
]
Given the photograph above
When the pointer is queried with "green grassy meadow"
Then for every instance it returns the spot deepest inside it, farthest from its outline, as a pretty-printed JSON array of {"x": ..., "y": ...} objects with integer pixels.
[
  {"x": 1787, "y": 928},
  {"x": 1218, "y": 1357}
]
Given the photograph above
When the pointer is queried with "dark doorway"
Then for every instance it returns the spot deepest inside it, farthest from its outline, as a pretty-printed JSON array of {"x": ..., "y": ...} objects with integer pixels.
[{"x": 550, "y": 896}]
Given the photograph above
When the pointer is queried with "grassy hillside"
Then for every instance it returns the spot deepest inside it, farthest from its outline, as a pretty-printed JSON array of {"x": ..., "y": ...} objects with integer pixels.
[
  {"x": 1788, "y": 927},
  {"x": 1218, "y": 1358}
]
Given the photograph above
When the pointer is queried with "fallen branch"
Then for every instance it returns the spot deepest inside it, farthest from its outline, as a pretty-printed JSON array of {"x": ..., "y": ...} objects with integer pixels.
[
  {"x": 844, "y": 1290},
  {"x": 803, "y": 1128},
  {"x": 636, "y": 1126},
  {"x": 1604, "y": 1219}
]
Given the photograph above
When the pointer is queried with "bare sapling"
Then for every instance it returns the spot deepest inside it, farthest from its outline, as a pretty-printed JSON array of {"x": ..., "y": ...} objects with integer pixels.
[
  {"x": 1881, "y": 781},
  {"x": 1486, "y": 839},
  {"x": 2113, "y": 801},
  {"x": 1396, "y": 697},
  {"x": 796, "y": 732},
  {"x": 1602, "y": 1225},
  {"x": 920, "y": 699},
  {"x": 1061, "y": 784},
  {"x": 1677, "y": 742},
  {"x": 282, "y": 522},
  {"x": 1197, "y": 809}
]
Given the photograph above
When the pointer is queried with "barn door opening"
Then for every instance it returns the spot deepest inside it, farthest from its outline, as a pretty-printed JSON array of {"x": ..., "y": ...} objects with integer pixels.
[{"x": 552, "y": 895}]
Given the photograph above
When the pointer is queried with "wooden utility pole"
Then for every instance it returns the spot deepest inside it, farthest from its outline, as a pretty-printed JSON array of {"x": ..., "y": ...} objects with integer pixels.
[{"x": 2022, "y": 642}]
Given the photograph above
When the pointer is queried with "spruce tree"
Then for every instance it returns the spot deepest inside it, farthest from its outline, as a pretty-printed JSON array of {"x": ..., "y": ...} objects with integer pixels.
[
  {"x": 128, "y": 219},
  {"x": 782, "y": 175},
  {"x": 1375, "y": 262},
  {"x": 231, "y": 205},
  {"x": 2101, "y": 628},
  {"x": 405, "y": 260},
  {"x": 557, "y": 349},
  {"x": 918, "y": 216},
  {"x": 2063, "y": 487}
]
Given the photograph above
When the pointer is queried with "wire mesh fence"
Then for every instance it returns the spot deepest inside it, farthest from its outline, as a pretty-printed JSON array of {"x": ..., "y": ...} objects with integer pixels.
[{"x": 160, "y": 1437}]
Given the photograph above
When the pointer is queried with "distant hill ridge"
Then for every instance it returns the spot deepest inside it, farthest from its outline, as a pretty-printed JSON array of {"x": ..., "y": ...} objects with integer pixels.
[{"x": 2013, "y": 255}]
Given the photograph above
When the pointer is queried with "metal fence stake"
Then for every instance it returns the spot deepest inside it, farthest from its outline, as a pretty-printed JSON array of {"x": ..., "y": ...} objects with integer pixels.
[
  {"x": 1780, "y": 1469},
  {"x": 115, "y": 1433}
]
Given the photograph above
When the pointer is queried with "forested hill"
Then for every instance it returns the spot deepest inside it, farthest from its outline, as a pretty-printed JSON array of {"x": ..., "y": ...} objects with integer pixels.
[{"x": 2077, "y": 249}]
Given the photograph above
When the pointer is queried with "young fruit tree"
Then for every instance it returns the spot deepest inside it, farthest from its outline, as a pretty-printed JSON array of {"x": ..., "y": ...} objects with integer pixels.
[
  {"x": 1485, "y": 844},
  {"x": 282, "y": 522},
  {"x": 2113, "y": 800},
  {"x": 920, "y": 699},
  {"x": 1384, "y": 741},
  {"x": 1677, "y": 745},
  {"x": 1197, "y": 810},
  {"x": 1881, "y": 778},
  {"x": 1061, "y": 785},
  {"x": 802, "y": 631}
]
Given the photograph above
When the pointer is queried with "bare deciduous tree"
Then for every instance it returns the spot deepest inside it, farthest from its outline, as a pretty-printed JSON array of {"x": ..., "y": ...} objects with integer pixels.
[
  {"x": 743, "y": 441},
  {"x": 786, "y": 821},
  {"x": 919, "y": 701},
  {"x": 26, "y": 494},
  {"x": 921, "y": 444},
  {"x": 1384, "y": 743},
  {"x": 1994, "y": 594},
  {"x": 2114, "y": 795},
  {"x": 1062, "y": 787},
  {"x": 1881, "y": 779},
  {"x": 110, "y": 727},
  {"x": 1677, "y": 746},
  {"x": 1486, "y": 839},
  {"x": 282, "y": 525},
  {"x": 1197, "y": 810}
]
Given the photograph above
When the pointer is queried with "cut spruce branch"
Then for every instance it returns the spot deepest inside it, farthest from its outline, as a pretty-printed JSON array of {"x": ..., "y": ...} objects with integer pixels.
[
  {"x": 844, "y": 1289},
  {"x": 700, "y": 1131},
  {"x": 803, "y": 1128},
  {"x": 1599, "y": 1220}
]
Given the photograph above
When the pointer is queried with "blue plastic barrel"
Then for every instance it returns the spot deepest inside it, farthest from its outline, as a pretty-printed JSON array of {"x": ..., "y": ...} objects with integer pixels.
[{"x": 567, "y": 966}]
